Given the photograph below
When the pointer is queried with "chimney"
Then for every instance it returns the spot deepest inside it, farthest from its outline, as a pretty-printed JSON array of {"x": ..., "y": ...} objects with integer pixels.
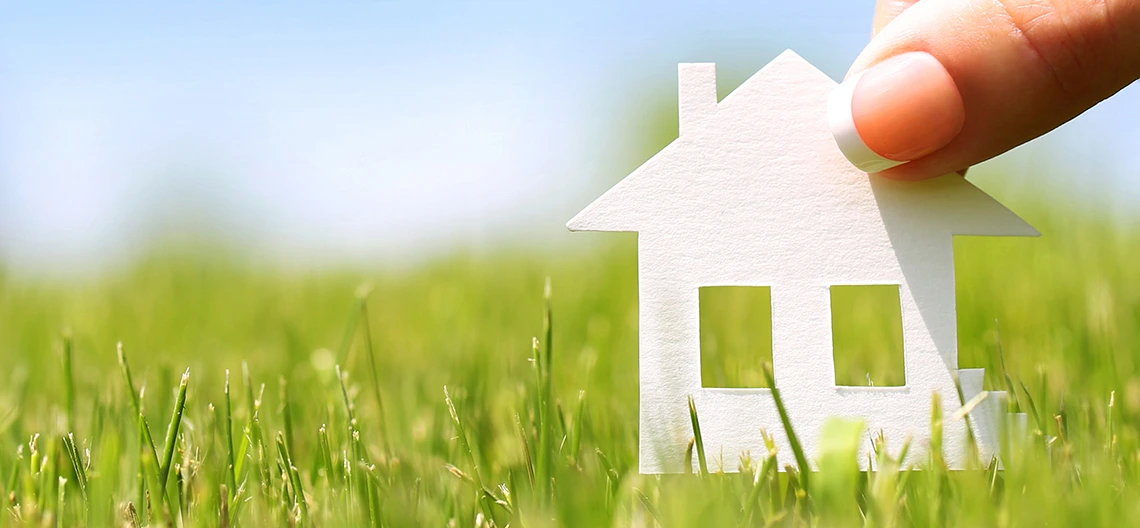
[{"x": 696, "y": 94}]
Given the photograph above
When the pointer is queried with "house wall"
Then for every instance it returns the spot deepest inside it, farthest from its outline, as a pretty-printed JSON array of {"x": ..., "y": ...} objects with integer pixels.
[{"x": 671, "y": 271}]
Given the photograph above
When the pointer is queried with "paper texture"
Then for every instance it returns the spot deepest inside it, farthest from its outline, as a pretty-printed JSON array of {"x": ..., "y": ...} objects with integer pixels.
[{"x": 755, "y": 192}]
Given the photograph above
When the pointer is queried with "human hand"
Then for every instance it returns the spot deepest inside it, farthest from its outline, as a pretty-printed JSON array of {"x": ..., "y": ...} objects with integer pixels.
[{"x": 950, "y": 83}]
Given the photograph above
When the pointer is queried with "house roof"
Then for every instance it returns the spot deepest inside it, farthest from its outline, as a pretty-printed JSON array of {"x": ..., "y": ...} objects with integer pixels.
[{"x": 777, "y": 118}]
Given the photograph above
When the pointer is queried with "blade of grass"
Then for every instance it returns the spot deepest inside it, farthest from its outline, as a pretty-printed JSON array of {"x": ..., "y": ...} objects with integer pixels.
[
  {"x": 228, "y": 437},
  {"x": 61, "y": 488},
  {"x": 135, "y": 399},
  {"x": 469, "y": 453},
  {"x": 367, "y": 329},
  {"x": 154, "y": 494},
  {"x": 172, "y": 431},
  {"x": 77, "y": 466},
  {"x": 1110, "y": 424},
  {"x": 543, "y": 426},
  {"x": 545, "y": 470},
  {"x": 68, "y": 383},
  {"x": 1012, "y": 402},
  {"x": 14, "y": 476},
  {"x": 286, "y": 412},
  {"x": 786, "y": 421},
  {"x": 1037, "y": 419},
  {"x": 795, "y": 489},
  {"x": 354, "y": 453},
  {"x": 294, "y": 476},
  {"x": 562, "y": 428},
  {"x": 611, "y": 471},
  {"x": 374, "y": 512},
  {"x": 359, "y": 463},
  {"x": 250, "y": 436},
  {"x": 349, "y": 409},
  {"x": 936, "y": 453},
  {"x": 529, "y": 463},
  {"x": 700, "y": 443},
  {"x": 145, "y": 437},
  {"x": 904, "y": 451},
  {"x": 576, "y": 432},
  {"x": 326, "y": 454},
  {"x": 247, "y": 431},
  {"x": 649, "y": 507},
  {"x": 688, "y": 470},
  {"x": 246, "y": 380},
  {"x": 548, "y": 329},
  {"x": 759, "y": 484},
  {"x": 223, "y": 506}
]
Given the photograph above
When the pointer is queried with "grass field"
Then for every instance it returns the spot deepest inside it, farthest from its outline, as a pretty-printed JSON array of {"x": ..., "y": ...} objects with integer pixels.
[{"x": 537, "y": 424}]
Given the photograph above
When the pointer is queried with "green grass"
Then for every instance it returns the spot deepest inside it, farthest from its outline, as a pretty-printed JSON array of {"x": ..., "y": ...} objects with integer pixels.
[
  {"x": 736, "y": 335},
  {"x": 537, "y": 425},
  {"x": 867, "y": 335}
]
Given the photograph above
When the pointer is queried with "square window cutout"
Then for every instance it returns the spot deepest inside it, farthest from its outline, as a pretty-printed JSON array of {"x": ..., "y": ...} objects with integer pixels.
[
  {"x": 736, "y": 335},
  {"x": 867, "y": 337}
]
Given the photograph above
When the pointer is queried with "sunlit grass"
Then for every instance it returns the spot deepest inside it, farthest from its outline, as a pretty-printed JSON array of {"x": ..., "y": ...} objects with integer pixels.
[{"x": 340, "y": 416}]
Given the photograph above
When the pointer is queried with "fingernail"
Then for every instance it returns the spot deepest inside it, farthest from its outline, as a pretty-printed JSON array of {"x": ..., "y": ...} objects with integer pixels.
[{"x": 898, "y": 110}]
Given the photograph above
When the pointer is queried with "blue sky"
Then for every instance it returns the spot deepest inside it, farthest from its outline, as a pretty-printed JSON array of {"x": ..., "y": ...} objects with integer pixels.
[{"x": 327, "y": 131}]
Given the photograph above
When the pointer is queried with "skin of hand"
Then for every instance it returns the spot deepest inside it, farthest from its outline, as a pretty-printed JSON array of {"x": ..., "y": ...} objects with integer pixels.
[{"x": 945, "y": 84}]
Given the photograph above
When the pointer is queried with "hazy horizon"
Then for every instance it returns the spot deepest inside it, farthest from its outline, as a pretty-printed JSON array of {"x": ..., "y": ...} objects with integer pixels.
[{"x": 382, "y": 131}]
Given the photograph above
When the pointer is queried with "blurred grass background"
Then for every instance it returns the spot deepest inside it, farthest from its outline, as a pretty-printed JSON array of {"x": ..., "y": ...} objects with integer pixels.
[
  {"x": 1066, "y": 306},
  {"x": 736, "y": 335}
]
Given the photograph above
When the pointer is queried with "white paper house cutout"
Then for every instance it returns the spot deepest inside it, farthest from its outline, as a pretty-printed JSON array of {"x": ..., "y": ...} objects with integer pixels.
[{"x": 755, "y": 192}]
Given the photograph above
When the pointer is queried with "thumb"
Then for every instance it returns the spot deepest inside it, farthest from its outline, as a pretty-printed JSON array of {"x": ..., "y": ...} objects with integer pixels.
[{"x": 952, "y": 83}]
